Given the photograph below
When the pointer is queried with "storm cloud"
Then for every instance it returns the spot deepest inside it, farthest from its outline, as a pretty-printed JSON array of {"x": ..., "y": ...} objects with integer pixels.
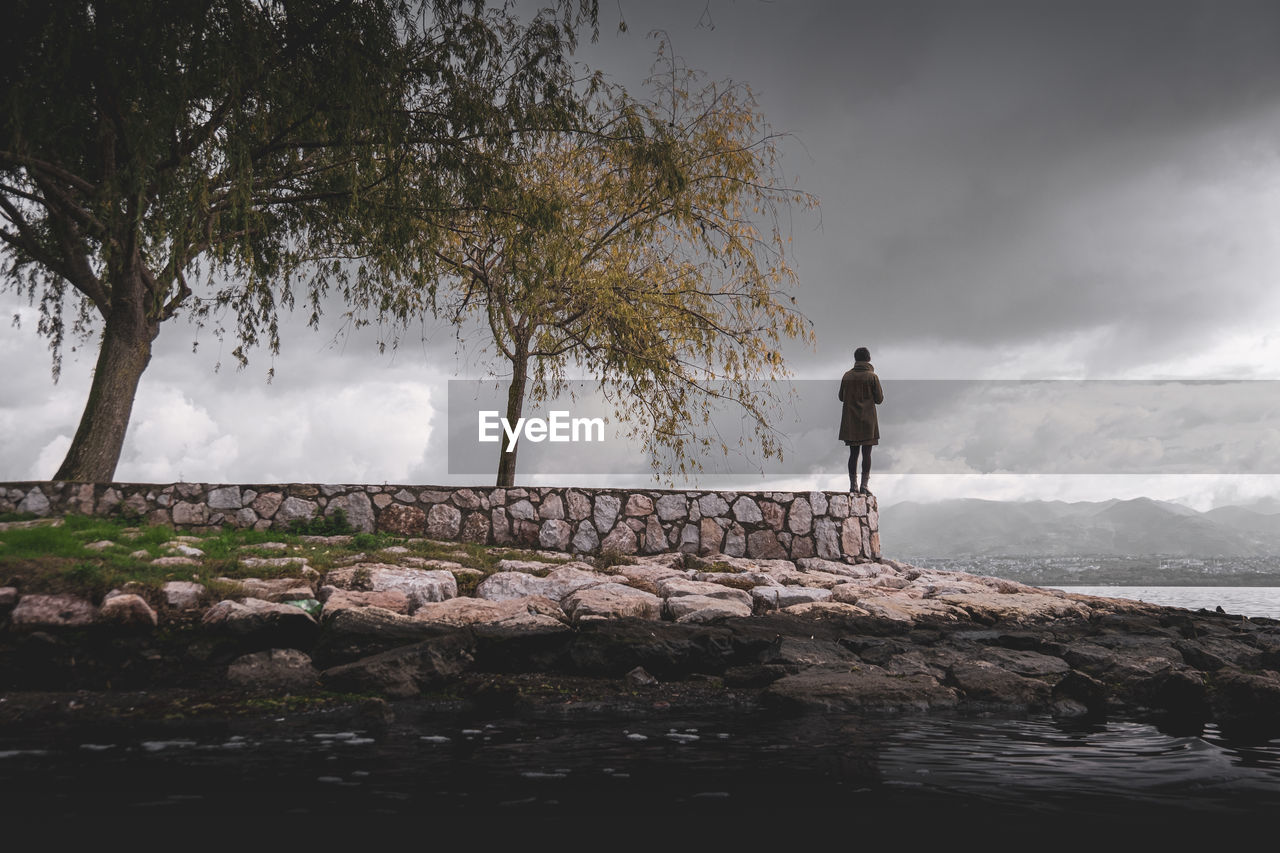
[{"x": 1019, "y": 190}]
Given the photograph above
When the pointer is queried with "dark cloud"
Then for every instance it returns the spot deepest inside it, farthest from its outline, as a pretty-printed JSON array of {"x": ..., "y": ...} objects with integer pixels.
[
  {"x": 1016, "y": 188},
  {"x": 1004, "y": 172}
]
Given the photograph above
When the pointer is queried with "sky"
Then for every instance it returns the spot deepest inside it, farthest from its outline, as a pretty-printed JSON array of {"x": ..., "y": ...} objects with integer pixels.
[{"x": 1083, "y": 193}]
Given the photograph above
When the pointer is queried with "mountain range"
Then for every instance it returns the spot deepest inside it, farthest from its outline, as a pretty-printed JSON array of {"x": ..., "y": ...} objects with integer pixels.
[{"x": 1140, "y": 526}]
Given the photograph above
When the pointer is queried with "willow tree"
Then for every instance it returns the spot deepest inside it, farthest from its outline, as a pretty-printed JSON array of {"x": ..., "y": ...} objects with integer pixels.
[
  {"x": 225, "y": 158},
  {"x": 650, "y": 255}
]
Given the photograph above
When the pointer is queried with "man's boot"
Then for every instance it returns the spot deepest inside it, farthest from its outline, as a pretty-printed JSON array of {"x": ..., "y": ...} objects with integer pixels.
[{"x": 864, "y": 490}]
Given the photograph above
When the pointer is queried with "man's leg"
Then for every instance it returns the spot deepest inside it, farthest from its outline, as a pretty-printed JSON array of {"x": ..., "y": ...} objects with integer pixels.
[
  {"x": 866, "y": 468},
  {"x": 853, "y": 468}
]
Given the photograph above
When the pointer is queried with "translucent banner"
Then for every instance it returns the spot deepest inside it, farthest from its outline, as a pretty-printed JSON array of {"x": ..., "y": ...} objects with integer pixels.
[{"x": 926, "y": 427}]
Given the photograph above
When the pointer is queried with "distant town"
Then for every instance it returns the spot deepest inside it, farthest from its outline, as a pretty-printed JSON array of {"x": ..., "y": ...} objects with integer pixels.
[{"x": 1110, "y": 569}]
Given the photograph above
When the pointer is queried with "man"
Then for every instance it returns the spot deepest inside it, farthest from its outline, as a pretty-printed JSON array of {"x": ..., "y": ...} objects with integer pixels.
[{"x": 860, "y": 393}]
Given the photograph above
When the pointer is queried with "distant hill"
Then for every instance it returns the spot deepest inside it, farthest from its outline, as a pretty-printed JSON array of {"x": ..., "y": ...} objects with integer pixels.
[{"x": 1141, "y": 526}]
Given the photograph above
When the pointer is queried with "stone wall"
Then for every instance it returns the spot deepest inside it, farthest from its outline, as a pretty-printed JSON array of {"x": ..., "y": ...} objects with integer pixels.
[{"x": 788, "y": 525}]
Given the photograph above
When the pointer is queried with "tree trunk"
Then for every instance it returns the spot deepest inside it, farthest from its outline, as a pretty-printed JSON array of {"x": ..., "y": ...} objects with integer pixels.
[
  {"x": 122, "y": 357},
  {"x": 515, "y": 404}
]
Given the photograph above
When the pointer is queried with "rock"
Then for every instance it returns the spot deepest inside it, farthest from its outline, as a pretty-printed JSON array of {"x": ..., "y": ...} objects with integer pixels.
[
  {"x": 735, "y": 541},
  {"x": 712, "y": 505},
  {"x": 552, "y": 507},
  {"x": 766, "y": 598},
  {"x": 335, "y": 599},
  {"x": 985, "y": 686},
  {"x": 128, "y": 610},
  {"x": 586, "y": 540},
  {"x": 468, "y": 499},
  {"x": 522, "y": 510},
  {"x": 526, "y": 566},
  {"x": 555, "y": 585},
  {"x": 274, "y": 669},
  {"x": 274, "y": 589},
  {"x": 351, "y": 633},
  {"x": 606, "y": 511},
  {"x": 640, "y": 677},
  {"x": 51, "y": 612},
  {"x": 620, "y": 540},
  {"x": 100, "y": 545},
  {"x": 1245, "y": 700},
  {"x": 420, "y": 585},
  {"x": 533, "y": 612},
  {"x": 403, "y": 672},
  {"x": 654, "y": 540},
  {"x": 579, "y": 505},
  {"x": 182, "y": 595},
  {"x": 34, "y": 502},
  {"x": 710, "y": 537},
  {"x": 832, "y": 688},
  {"x": 357, "y": 508},
  {"x": 294, "y": 509},
  {"x": 611, "y": 601},
  {"x": 402, "y": 520},
  {"x": 266, "y": 504},
  {"x": 1016, "y": 607},
  {"x": 763, "y": 544},
  {"x": 675, "y": 587},
  {"x": 444, "y": 522},
  {"x": 672, "y": 507},
  {"x": 747, "y": 511},
  {"x": 225, "y": 497},
  {"x": 475, "y": 528},
  {"x": 187, "y": 514},
  {"x": 647, "y": 577},
  {"x": 273, "y": 562},
  {"x": 704, "y": 608},
  {"x": 638, "y": 505},
  {"x": 826, "y": 536},
  {"x": 800, "y": 517},
  {"x": 554, "y": 534},
  {"x": 256, "y": 621}
]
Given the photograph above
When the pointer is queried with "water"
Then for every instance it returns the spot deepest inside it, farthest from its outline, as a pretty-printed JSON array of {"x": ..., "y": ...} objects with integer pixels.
[
  {"x": 724, "y": 772},
  {"x": 1249, "y": 601}
]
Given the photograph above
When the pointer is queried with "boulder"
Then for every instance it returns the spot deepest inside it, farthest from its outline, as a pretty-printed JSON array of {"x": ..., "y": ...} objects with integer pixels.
[
  {"x": 404, "y": 672},
  {"x": 274, "y": 669},
  {"x": 127, "y": 610},
  {"x": 273, "y": 589},
  {"x": 528, "y": 612},
  {"x": 50, "y": 612},
  {"x": 420, "y": 585},
  {"x": 557, "y": 584},
  {"x": 611, "y": 601},
  {"x": 402, "y": 520},
  {"x": 703, "y": 608},
  {"x": 183, "y": 595},
  {"x": 676, "y": 587},
  {"x": 832, "y": 688},
  {"x": 765, "y": 598},
  {"x": 334, "y": 599},
  {"x": 259, "y": 622}
]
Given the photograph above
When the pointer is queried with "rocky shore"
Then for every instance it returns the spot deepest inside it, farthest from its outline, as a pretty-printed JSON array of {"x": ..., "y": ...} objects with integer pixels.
[{"x": 551, "y": 634}]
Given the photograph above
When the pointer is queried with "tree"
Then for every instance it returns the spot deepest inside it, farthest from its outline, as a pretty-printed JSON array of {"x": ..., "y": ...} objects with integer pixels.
[
  {"x": 225, "y": 158},
  {"x": 648, "y": 254}
]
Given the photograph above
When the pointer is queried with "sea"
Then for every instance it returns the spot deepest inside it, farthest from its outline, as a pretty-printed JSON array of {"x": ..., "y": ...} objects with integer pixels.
[
  {"x": 1251, "y": 601},
  {"x": 663, "y": 778}
]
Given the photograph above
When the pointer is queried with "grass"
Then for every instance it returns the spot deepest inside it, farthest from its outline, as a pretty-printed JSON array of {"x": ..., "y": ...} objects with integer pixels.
[{"x": 53, "y": 558}]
